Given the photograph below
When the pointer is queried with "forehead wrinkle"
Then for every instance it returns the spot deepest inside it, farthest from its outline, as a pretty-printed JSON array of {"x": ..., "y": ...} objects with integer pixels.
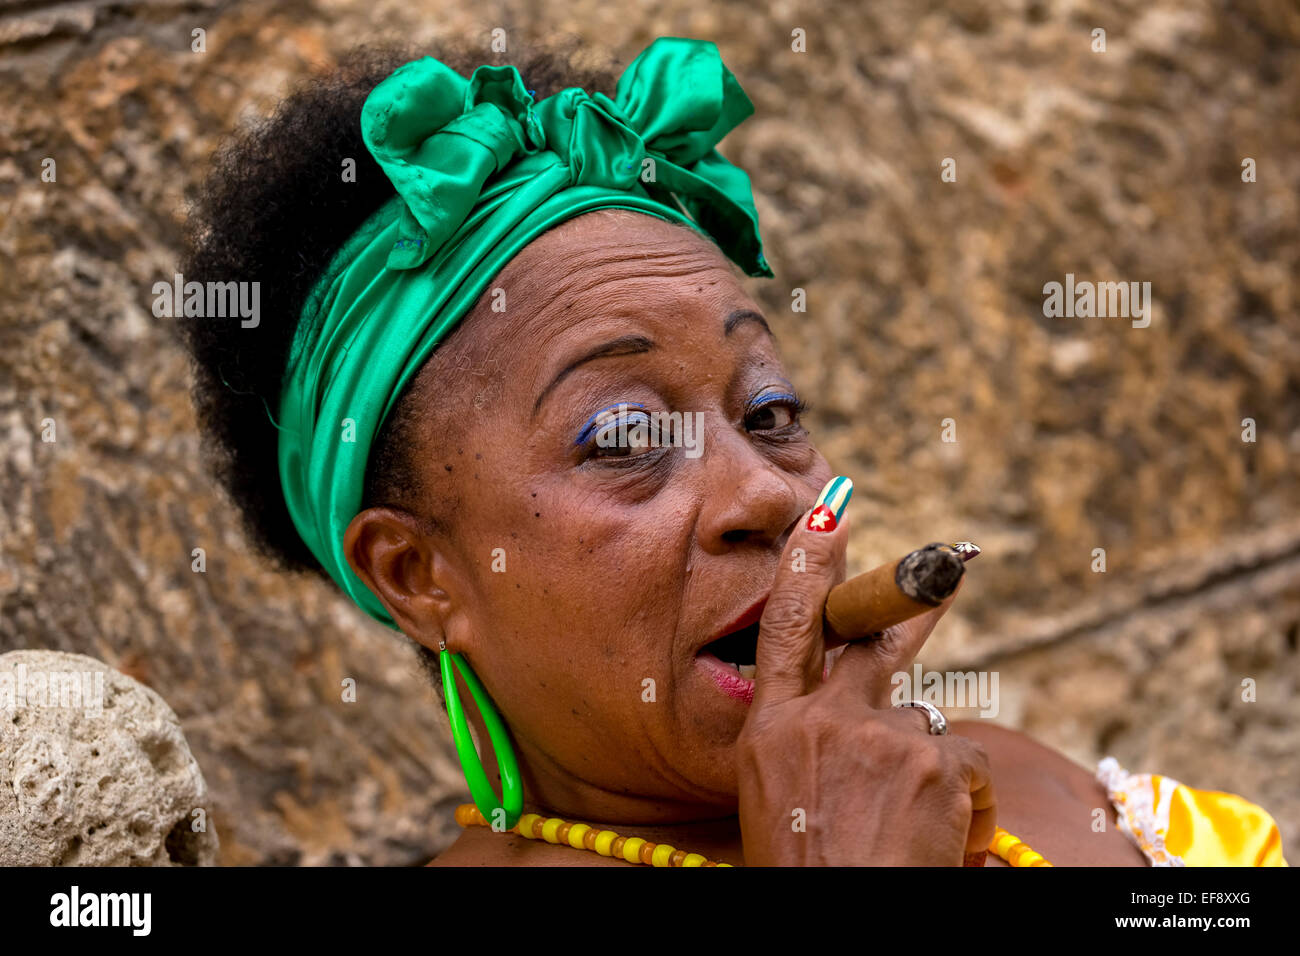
[
  {"x": 644, "y": 251},
  {"x": 577, "y": 291},
  {"x": 587, "y": 274},
  {"x": 597, "y": 240}
]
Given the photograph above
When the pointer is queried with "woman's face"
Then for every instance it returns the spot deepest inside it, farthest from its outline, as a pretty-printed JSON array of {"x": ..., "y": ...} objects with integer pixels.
[{"x": 581, "y": 580}]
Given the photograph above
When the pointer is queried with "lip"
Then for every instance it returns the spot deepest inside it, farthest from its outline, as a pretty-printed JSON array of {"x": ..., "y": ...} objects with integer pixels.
[
  {"x": 751, "y": 615},
  {"x": 724, "y": 675},
  {"x": 728, "y": 681}
]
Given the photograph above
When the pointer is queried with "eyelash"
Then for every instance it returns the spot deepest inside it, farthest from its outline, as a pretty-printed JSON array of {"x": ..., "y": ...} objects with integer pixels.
[
  {"x": 587, "y": 436},
  {"x": 798, "y": 407},
  {"x": 593, "y": 427}
]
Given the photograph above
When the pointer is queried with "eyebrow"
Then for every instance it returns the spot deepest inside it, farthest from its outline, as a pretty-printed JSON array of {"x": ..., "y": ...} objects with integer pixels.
[
  {"x": 638, "y": 344},
  {"x": 744, "y": 315},
  {"x": 624, "y": 345}
]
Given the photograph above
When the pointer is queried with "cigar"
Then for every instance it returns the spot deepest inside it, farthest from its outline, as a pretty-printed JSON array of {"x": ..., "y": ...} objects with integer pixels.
[{"x": 866, "y": 605}]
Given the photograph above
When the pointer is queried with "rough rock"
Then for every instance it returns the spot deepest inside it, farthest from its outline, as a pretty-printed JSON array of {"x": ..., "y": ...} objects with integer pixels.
[{"x": 95, "y": 770}]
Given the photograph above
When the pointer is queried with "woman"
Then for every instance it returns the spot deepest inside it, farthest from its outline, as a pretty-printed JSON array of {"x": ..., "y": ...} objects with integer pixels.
[{"x": 479, "y": 286}]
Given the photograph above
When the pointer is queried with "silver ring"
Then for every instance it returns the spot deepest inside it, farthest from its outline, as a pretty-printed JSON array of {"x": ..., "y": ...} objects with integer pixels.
[{"x": 938, "y": 725}]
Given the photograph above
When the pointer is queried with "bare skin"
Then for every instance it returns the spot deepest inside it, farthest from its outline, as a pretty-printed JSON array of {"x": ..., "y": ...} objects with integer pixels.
[
  {"x": 1043, "y": 798},
  {"x": 621, "y": 566}
]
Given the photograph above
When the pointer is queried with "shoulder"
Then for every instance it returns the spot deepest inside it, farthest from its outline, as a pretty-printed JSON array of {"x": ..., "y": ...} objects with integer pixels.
[
  {"x": 1013, "y": 754},
  {"x": 1049, "y": 801}
]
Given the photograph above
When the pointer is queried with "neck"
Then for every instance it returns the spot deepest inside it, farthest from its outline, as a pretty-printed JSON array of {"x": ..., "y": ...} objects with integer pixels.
[{"x": 709, "y": 825}]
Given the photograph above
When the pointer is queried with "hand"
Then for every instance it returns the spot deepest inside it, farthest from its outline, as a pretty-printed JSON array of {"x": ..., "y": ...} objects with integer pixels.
[{"x": 829, "y": 772}]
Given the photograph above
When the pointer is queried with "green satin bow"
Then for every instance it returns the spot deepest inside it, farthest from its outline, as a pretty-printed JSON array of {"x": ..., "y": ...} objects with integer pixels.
[{"x": 480, "y": 170}]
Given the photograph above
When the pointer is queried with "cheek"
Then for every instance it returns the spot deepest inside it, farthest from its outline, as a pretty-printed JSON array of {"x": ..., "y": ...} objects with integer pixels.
[
  {"x": 582, "y": 582},
  {"x": 584, "y": 609}
]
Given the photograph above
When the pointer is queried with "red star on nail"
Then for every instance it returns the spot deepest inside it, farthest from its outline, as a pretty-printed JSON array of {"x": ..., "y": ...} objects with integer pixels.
[{"x": 822, "y": 519}]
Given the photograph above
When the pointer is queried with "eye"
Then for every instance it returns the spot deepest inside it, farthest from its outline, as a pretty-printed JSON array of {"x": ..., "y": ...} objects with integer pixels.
[
  {"x": 624, "y": 437},
  {"x": 774, "y": 411},
  {"x": 619, "y": 431}
]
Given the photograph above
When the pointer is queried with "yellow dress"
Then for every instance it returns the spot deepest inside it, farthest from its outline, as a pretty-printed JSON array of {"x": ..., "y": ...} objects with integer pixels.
[{"x": 1174, "y": 825}]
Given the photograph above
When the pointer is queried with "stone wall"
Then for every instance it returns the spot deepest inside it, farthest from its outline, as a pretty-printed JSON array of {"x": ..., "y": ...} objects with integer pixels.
[{"x": 924, "y": 303}]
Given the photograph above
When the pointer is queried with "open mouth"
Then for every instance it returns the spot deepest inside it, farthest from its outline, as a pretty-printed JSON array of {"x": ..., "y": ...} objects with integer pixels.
[
  {"x": 730, "y": 659},
  {"x": 737, "y": 650}
]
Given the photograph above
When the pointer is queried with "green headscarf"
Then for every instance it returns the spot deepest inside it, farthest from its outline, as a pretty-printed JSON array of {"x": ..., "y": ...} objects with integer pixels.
[{"x": 480, "y": 171}]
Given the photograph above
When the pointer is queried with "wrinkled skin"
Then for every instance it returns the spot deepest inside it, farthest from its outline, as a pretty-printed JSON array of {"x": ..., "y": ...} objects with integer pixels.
[{"x": 620, "y": 567}]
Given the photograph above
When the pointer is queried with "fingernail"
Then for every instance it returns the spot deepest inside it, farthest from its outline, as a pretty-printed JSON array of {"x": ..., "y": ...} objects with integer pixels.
[{"x": 829, "y": 509}]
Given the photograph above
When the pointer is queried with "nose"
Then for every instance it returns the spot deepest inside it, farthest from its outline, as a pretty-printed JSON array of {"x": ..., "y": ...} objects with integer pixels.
[{"x": 748, "y": 499}]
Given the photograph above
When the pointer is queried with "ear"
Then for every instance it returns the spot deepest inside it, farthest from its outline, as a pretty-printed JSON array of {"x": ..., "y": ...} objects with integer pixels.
[{"x": 395, "y": 556}]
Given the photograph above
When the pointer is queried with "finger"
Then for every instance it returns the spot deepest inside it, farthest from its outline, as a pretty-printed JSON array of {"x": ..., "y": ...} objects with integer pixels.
[
  {"x": 866, "y": 668},
  {"x": 983, "y": 819},
  {"x": 913, "y": 718},
  {"x": 790, "y": 653},
  {"x": 984, "y": 815}
]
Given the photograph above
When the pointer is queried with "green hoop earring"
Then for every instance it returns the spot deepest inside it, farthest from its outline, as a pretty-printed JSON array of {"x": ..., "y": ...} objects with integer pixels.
[{"x": 485, "y": 798}]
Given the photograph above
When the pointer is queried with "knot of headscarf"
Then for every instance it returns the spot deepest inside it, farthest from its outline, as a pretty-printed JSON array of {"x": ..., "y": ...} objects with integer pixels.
[{"x": 481, "y": 169}]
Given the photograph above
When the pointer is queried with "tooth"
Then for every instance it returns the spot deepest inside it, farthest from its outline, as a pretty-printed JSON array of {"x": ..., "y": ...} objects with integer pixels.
[{"x": 747, "y": 671}]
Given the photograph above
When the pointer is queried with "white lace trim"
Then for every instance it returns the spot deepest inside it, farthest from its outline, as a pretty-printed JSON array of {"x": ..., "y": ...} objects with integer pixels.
[{"x": 1142, "y": 806}]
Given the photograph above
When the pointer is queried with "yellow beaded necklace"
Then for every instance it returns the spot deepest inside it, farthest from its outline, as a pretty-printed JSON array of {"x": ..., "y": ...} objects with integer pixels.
[
  {"x": 1014, "y": 850},
  {"x": 582, "y": 836}
]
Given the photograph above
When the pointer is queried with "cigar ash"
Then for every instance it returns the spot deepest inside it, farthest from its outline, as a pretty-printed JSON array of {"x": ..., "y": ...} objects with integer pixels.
[{"x": 930, "y": 574}]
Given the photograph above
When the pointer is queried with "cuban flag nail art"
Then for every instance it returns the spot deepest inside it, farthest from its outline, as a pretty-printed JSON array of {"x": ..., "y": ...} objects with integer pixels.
[{"x": 829, "y": 509}]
